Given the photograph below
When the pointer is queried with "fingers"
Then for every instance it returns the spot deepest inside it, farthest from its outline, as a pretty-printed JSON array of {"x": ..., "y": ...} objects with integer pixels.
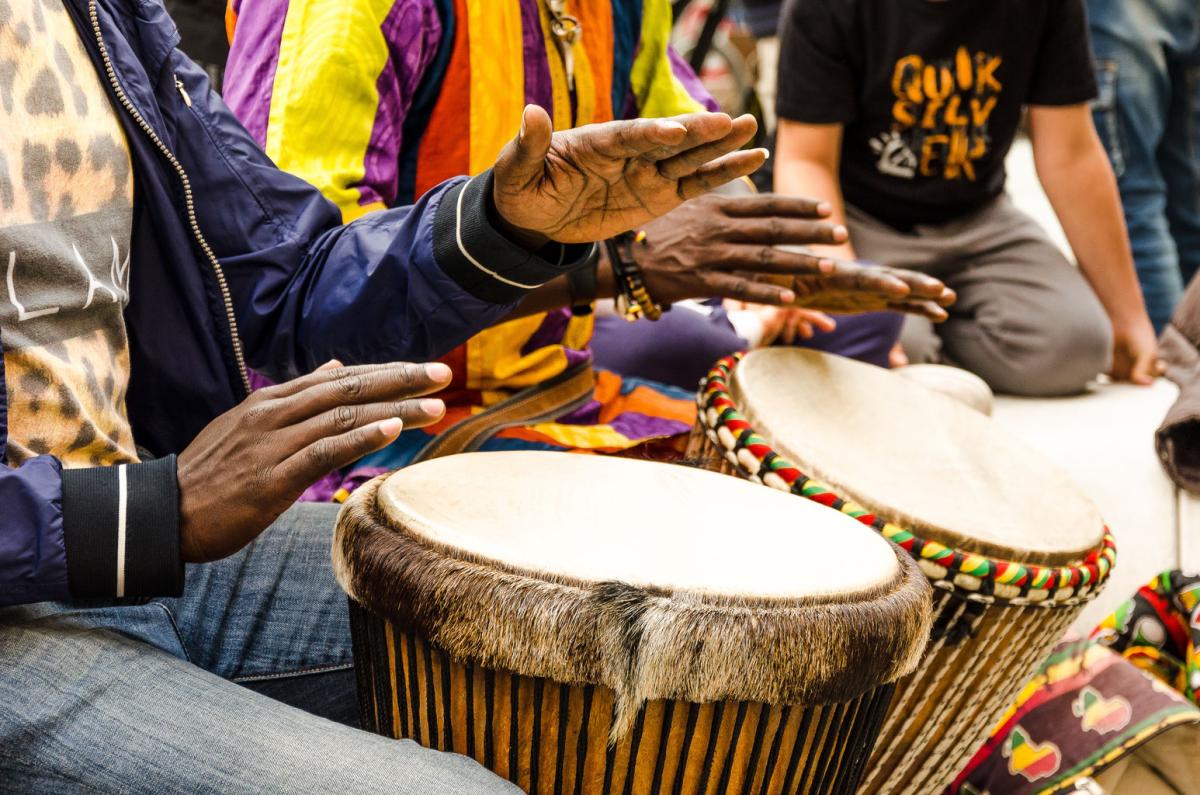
[
  {"x": 782, "y": 231},
  {"x": 774, "y": 204},
  {"x": 522, "y": 158},
  {"x": 769, "y": 259},
  {"x": 720, "y": 171},
  {"x": 926, "y": 309},
  {"x": 852, "y": 280},
  {"x": 329, "y": 453},
  {"x": 922, "y": 285},
  {"x": 663, "y": 137},
  {"x": 748, "y": 290},
  {"x": 819, "y": 321},
  {"x": 897, "y": 357},
  {"x": 345, "y": 418},
  {"x": 676, "y": 162},
  {"x": 326, "y": 390},
  {"x": 1145, "y": 369}
]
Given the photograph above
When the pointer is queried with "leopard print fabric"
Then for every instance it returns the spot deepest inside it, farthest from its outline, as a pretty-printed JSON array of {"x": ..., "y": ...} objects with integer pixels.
[{"x": 66, "y": 211}]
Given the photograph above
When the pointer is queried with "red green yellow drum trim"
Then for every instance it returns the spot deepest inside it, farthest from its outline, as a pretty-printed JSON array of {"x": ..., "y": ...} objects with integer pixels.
[{"x": 976, "y": 577}]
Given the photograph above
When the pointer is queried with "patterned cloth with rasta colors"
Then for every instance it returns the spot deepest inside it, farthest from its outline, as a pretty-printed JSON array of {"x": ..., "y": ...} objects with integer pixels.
[
  {"x": 1158, "y": 630},
  {"x": 1095, "y": 701},
  {"x": 1086, "y": 709},
  {"x": 376, "y": 101}
]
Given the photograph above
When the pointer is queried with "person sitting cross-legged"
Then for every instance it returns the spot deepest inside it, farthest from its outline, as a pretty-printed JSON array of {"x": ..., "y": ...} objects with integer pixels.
[{"x": 900, "y": 114}]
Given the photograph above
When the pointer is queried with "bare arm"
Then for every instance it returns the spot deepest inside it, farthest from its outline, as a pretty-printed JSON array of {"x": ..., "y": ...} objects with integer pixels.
[
  {"x": 1078, "y": 180},
  {"x": 807, "y": 160}
]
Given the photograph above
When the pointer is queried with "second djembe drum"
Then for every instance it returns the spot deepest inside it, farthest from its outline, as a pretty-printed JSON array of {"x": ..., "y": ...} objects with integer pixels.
[
  {"x": 1011, "y": 545},
  {"x": 594, "y": 625}
]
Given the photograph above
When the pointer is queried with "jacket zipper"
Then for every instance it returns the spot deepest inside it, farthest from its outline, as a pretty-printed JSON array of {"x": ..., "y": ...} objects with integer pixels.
[{"x": 235, "y": 340}]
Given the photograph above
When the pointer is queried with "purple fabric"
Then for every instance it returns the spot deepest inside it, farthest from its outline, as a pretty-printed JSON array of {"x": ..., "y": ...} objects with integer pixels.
[
  {"x": 633, "y": 425},
  {"x": 412, "y": 30},
  {"x": 575, "y": 357},
  {"x": 684, "y": 74},
  {"x": 682, "y": 347},
  {"x": 554, "y": 326},
  {"x": 249, "y": 81},
  {"x": 587, "y": 414},
  {"x": 538, "y": 88},
  {"x": 325, "y": 488}
]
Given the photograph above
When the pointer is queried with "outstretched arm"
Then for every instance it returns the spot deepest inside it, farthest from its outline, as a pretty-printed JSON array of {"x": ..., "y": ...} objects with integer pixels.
[{"x": 1079, "y": 182}]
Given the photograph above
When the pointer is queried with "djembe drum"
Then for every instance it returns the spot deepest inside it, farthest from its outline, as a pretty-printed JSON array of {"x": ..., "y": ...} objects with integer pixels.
[
  {"x": 598, "y": 625},
  {"x": 1012, "y": 546}
]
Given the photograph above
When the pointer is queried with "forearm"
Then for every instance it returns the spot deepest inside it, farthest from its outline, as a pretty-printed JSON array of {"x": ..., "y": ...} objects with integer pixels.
[
  {"x": 800, "y": 177},
  {"x": 556, "y": 294},
  {"x": 1083, "y": 192}
]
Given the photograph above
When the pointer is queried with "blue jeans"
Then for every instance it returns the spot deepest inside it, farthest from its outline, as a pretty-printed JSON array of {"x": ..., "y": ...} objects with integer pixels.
[
  {"x": 1148, "y": 115},
  {"x": 172, "y": 695}
]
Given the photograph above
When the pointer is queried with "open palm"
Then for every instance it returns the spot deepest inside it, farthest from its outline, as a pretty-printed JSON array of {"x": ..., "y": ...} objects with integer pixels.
[{"x": 599, "y": 180}]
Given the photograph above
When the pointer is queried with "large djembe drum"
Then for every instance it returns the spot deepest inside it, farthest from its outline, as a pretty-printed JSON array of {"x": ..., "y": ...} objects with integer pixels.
[
  {"x": 1011, "y": 545},
  {"x": 595, "y": 625}
]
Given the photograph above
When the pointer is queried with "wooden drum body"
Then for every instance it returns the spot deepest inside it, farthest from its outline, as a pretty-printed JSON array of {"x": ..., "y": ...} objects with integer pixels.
[
  {"x": 593, "y": 625},
  {"x": 1010, "y": 544}
]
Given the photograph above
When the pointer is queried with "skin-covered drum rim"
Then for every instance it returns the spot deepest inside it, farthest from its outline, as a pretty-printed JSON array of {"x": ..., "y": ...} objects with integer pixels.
[{"x": 975, "y": 577}]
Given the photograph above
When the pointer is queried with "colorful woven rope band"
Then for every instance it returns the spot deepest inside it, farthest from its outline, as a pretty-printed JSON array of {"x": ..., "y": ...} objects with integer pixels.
[{"x": 975, "y": 577}]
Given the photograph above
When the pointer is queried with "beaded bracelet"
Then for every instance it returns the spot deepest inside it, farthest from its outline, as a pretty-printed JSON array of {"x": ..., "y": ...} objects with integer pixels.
[{"x": 634, "y": 299}]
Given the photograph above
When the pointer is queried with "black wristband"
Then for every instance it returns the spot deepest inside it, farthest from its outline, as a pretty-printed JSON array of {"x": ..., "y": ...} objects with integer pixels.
[{"x": 581, "y": 285}]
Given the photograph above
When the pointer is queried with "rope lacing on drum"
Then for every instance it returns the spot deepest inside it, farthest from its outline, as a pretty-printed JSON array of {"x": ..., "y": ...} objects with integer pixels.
[{"x": 976, "y": 578}]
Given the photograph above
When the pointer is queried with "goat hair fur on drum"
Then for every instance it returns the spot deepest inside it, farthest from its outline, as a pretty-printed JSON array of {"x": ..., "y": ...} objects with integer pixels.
[{"x": 641, "y": 643}]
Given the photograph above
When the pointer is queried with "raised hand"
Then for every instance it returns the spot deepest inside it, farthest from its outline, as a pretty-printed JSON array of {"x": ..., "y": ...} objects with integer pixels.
[
  {"x": 251, "y": 463},
  {"x": 596, "y": 181}
]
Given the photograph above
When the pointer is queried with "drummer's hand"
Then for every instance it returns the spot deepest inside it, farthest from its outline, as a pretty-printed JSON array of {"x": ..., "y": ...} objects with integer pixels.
[
  {"x": 251, "y": 463},
  {"x": 712, "y": 247},
  {"x": 596, "y": 181},
  {"x": 852, "y": 288}
]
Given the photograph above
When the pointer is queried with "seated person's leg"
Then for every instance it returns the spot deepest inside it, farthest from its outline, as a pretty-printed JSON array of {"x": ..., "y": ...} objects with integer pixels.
[
  {"x": 920, "y": 341},
  {"x": 1131, "y": 115},
  {"x": 678, "y": 349},
  {"x": 92, "y": 710},
  {"x": 141, "y": 677},
  {"x": 1026, "y": 321},
  {"x": 682, "y": 347},
  {"x": 868, "y": 337},
  {"x": 1179, "y": 161}
]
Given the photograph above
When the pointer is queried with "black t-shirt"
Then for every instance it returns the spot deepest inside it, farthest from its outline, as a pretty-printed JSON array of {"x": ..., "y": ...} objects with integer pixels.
[{"x": 930, "y": 91}]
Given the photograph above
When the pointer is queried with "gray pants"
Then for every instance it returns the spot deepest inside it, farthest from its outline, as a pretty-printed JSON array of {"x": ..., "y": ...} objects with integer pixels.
[{"x": 1025, "y": 321}]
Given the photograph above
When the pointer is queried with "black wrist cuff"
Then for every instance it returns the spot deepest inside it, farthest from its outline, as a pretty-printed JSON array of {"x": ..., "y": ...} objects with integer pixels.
[
  {"x": 121, "y": 528},
  {"x": 481, "y": 259}
]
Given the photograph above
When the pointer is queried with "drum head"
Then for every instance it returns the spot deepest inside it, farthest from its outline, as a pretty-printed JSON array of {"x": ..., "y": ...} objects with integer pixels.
[
  {"x": 653, "y": 580},
  {"x": 915, "y": 457},
  {"x": 651, "y": 525}
]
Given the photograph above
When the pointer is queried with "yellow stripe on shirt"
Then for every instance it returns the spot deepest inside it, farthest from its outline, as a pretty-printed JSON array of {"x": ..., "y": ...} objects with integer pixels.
[{"x": 324, "y": 100}]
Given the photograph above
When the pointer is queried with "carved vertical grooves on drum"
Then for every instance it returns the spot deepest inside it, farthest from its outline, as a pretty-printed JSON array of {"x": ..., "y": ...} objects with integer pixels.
[
  {"x": 553, "y": 738},
  {"x": 990, "y": 630},
  {"x": 921, "y": 715}
]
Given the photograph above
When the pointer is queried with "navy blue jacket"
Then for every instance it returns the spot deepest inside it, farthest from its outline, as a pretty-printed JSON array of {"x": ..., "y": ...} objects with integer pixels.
[{"x": 233, "y": 264}]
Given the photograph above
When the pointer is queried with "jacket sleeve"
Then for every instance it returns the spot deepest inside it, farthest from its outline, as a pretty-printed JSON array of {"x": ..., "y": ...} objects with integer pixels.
[
  {"x": 410, "y": 283},
  {"x": 104, "y": 531}
]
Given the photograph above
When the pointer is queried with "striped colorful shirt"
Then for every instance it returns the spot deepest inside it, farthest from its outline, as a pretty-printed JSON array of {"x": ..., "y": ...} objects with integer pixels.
[{"x": 376, "y": 101}]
